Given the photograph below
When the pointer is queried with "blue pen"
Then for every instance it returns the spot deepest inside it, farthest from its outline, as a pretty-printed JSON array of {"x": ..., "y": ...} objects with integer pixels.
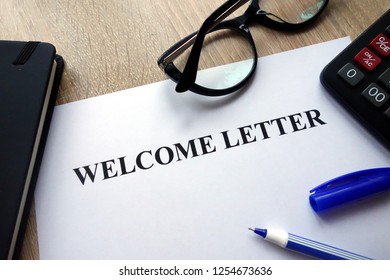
[
  {"x": 349, "y": 187},
  {"x": 306, "y": 246}
]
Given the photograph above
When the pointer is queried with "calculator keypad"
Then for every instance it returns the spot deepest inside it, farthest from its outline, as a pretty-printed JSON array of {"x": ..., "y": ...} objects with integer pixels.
[
  {"x": 367, "y": 59},
  {"x": 359, "y": 78}
]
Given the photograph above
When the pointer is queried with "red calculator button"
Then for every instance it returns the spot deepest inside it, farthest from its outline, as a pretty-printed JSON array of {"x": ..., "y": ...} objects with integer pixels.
[
  {"x": 367, "y": 59},
  {"x": 381, "y": 44}
]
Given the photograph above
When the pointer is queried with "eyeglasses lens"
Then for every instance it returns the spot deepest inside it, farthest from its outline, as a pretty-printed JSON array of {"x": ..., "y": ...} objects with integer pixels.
[
  {"x": 214, "y": 53},
  {"x": 218, "y": 44},
  {"x": 292, "y": 11}
]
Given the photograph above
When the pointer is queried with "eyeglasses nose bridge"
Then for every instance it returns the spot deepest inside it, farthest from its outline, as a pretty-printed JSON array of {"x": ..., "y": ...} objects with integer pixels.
[{"x": 244, "y": 27}]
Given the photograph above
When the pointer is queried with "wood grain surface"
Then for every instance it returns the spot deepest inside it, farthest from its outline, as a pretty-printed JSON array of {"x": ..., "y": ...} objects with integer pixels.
[{"x": 114, "y": 44}]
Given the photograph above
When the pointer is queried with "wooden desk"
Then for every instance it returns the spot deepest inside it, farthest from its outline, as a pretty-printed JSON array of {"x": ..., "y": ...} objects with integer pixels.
[{"x": 113, "y": 45}]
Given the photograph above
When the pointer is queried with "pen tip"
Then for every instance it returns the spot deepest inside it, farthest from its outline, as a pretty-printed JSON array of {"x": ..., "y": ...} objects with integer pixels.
[{"x": 259, "y": 231}]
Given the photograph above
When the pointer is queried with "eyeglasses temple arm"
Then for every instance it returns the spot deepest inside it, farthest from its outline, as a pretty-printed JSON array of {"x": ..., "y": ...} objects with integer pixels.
[
  {"x": 177, "y": 49},
  {"x": 173, "y": 52}
]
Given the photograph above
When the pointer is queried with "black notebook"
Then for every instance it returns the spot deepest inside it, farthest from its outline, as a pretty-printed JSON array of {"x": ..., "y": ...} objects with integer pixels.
[{"x": 30, "y": 74}]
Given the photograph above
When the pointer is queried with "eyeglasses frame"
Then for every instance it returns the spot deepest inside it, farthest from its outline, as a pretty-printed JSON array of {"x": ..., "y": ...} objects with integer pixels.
[{"x": 186, "y": 80}]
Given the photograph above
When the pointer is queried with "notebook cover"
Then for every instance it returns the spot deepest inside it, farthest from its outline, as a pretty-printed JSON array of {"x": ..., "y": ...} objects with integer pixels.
[{"x": 28, "y": 90}]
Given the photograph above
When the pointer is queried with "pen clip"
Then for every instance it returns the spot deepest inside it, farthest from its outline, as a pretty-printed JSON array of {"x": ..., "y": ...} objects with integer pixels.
[{"x": 354, "y": 177}]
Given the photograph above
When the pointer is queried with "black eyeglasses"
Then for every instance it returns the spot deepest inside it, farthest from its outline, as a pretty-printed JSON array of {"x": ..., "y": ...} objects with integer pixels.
[{"x": 286, "y": 15}]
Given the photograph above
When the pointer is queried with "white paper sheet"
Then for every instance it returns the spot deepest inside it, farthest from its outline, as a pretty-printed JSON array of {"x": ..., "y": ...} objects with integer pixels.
[{"x": 200, "y": 207}]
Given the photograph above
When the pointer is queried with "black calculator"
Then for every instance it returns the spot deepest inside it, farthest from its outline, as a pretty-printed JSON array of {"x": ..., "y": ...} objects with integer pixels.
[{"x": 359, "y": 78}]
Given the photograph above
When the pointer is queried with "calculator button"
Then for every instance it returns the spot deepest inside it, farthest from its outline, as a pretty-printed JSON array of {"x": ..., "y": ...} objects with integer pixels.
[
  {"x": 367, "y": 59},
  {"x": 385, "y": 78},
  {"x": 376, "y": 95},
  {"x": 381, "y": 45},
  {"x": 351, "y": 74}
]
